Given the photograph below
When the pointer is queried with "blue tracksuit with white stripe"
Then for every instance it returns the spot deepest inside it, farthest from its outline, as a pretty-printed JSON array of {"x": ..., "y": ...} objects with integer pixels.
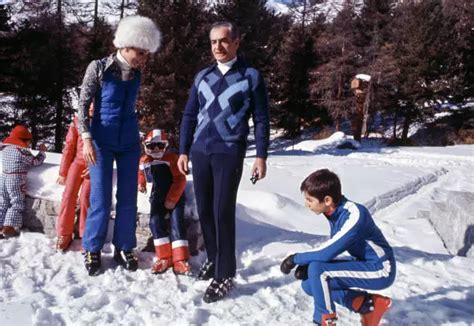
[
  {"x": 214, "y": 132},
  {"x": 373, "y": 265}
]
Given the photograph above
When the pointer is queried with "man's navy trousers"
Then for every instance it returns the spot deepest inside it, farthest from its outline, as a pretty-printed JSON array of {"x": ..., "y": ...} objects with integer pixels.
[{"x": 216, "y": 181}]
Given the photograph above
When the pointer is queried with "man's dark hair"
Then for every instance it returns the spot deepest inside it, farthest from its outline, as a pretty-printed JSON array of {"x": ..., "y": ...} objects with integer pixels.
[
  {"x": 322, "y": 183},
  {"x": 234, "y": 30}
]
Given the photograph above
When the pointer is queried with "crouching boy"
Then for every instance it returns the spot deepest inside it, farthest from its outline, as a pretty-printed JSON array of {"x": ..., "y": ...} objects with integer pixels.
[
  {"x": 159, "y": 166},
  {"x": 353, "y": 230}
]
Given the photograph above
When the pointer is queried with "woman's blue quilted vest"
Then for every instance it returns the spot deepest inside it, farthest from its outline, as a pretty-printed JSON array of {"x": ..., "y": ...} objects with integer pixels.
[{"x": 115, "y": 122}]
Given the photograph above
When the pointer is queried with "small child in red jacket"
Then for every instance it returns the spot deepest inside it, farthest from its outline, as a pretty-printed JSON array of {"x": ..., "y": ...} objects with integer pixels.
[
  {"x": 16, "y": 159},
  {"x": 159, "y": 166},
  {"x": 74, "y": 174}
]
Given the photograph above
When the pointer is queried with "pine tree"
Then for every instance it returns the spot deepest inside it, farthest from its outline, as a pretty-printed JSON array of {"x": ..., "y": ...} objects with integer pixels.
[
  {"x": 293, "y": 108},
  {"x": 457, "y": 45},
  {"x": 6, "y": 76},
  {"x": 5, "y": 18},
  {"x": 261, "y": 30},
  {"x": 330, "y": 81},
  {"x": 6, "y": 48},
  {"x": 416, "y": 39},
  {"x": 385, "y": 82},
  {"x": 32, "y": 83},
  {"x": 120, "y": 8},
  {"x": 169, "y": 73},
  {"x": 99, "y": 40},
  {"x": 372, "y": 33},
  {"x": 44, "y": 70}
]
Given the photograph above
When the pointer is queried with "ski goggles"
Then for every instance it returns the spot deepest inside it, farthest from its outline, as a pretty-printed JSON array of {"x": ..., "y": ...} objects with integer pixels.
[{"x": 153, "y": 146}]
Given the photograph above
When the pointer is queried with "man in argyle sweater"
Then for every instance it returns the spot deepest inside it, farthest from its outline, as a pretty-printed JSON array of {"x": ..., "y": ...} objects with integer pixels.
[{"x": 214, "y": 132}]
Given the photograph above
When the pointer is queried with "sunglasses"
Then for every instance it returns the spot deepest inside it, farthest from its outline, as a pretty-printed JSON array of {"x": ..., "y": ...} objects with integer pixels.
[{"x": 152, "y": 146}]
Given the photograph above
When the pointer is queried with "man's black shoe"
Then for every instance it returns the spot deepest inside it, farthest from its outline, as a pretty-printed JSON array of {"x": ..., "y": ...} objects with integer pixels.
[
  {"x": 92, "y": 262},
  {"x": 127, "y": 259},
  {"x": 218, "y": 289},
  {"x": 207, "y": 271}
]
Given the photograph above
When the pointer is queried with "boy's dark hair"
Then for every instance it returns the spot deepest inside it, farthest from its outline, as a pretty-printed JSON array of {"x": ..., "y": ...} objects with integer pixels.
[{"x": 322, "y": 183}]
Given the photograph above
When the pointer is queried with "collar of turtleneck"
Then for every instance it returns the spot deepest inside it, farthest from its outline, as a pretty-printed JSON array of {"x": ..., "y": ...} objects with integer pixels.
[
  {"x": 224, "y": 67},
  {"x": 122, "y": 62}
]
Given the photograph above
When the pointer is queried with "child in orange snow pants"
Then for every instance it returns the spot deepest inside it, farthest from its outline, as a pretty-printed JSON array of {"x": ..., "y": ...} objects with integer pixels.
[{"x": 73, "y": 173}]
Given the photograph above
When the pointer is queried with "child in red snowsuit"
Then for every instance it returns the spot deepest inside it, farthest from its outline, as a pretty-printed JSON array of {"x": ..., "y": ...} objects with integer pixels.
[
  {"x": 159, "y": 167},
  {"x": 16, "y": 159},
  {"x": 73, "y": 173}
]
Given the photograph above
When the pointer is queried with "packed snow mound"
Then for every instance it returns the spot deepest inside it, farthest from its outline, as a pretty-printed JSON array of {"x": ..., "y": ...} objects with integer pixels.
[
  {"x": 336, "y": 140},
  {"x": 264, "y": 207}
]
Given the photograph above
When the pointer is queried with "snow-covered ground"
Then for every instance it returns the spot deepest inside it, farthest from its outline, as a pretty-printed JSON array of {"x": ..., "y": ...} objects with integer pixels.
[{"x": 39, "y": 286}]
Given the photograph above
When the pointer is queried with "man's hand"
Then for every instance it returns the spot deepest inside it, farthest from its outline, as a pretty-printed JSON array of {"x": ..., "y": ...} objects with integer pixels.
[
  {"x": 183, "y": 161},
  {"x": 42, "y": 148},
  {"x": 301, "y": 272},
  {"x": 61, "y": 180},
  {"x": 169, "y": 205},
  {"x": 259, "y": 168},
  {"x": 142, "y": 188},
  {"x": 287, "y": 264},
  {"x": 88, "y": 151}
]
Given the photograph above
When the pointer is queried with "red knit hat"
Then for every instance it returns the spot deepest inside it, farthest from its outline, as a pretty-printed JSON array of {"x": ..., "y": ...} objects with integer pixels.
[{"x": 18, "y": 136}]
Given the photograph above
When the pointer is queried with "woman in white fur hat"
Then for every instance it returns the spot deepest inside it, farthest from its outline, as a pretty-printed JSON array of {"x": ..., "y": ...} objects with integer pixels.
[{"x": 113, "y": 83}]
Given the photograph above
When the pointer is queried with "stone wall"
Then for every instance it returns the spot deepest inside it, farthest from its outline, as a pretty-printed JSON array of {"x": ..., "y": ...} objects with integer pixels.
[{"x": 41, "y": 216}]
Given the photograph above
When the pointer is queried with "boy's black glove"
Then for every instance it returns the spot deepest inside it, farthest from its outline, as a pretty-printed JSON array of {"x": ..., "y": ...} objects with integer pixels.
[
  {"x": 301, "y": 272},
  {"x": 287, "y": 264}
]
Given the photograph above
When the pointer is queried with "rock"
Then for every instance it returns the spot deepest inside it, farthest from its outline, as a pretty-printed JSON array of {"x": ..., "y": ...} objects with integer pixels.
[
  {"x": 41, "y": 216},
  {"x": 454, "y": 222}
]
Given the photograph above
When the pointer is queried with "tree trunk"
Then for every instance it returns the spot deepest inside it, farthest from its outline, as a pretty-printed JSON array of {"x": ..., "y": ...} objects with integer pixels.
[
  {"x": 406, "y": 126},
  {"x": 58, "y": 94},
  {"x": 395, "y": 120},
  {"x": 122, "y": 9},
  {"x": 338, "y": 123},
  {"x": 303, "y": 18},
  {"x": 96, "y": 12},
  {"x": 365, "y": 111}
]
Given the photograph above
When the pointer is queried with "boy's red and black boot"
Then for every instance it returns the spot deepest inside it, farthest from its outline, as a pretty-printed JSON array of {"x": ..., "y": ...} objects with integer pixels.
[
  {"x": 218, "y": 289},
  {"x": 207, "y": 271},
  {"x": 92, "y": 262},
  {"x": 127, "y": 259},
  {"x": 371, "y": 307},
  {"x": 327, "y": 320},
  {"x": 180, "y": 258},
  {"x": 163, "y": 258}
]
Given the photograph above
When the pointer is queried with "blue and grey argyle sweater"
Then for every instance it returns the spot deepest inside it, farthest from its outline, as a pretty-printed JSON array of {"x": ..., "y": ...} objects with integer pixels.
[{"x": 216, "y": 116}]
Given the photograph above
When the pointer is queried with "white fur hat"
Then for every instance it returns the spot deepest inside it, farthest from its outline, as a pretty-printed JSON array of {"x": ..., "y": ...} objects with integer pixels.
[{"x": 138, "y": 32}]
